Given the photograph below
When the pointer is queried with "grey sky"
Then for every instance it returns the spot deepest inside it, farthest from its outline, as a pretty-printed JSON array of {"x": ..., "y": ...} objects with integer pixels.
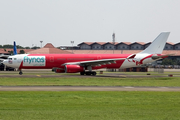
[{"x": 61, "y": 21}]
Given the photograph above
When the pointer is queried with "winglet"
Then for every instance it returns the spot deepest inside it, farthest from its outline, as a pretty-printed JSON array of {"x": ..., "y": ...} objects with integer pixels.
[{"x": 15, "y": 49}]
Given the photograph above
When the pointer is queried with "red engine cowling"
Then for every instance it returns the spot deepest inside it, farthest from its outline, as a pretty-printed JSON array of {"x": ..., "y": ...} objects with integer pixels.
[{"x": 73, "y": 68}]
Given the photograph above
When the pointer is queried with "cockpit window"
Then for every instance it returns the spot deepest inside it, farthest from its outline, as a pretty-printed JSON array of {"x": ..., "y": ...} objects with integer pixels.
[{"x": 10, "y": 60}]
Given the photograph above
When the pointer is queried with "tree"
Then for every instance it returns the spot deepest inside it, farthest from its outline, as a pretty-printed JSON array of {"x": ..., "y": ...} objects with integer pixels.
[
  {"x": 11, "y": 52},
  {"x": 35, "y": 47},
  {"x": 7, "y": 46},
  {"x": 168, "y": 61},
  {"x": 27, "y": 48},
  {"x": 21, "y": 52},
  {"x": 19, "y": 47}
]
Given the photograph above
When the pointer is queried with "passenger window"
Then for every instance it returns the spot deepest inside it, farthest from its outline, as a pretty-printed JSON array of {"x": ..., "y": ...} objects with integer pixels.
[{"x": 15, "y": 58}]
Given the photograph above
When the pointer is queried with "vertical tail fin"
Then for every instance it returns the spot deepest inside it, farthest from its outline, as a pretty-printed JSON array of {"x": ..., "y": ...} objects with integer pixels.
[
  {"x": 15, "y": 49},
  {"x": 157, "y": 46}
]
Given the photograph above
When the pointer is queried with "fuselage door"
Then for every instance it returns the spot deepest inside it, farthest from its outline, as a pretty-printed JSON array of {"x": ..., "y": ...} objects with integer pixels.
[
  {"x": 10, "y": 60},
  {"x": 19, "y": 60}
]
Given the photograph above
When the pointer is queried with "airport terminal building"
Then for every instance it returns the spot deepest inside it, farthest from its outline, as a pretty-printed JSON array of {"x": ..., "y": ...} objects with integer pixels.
[{"x": 123, "y": 46}]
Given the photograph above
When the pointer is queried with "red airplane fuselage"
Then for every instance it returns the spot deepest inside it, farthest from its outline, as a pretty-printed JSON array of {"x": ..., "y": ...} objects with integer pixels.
[{"x": 57, "y": 60}]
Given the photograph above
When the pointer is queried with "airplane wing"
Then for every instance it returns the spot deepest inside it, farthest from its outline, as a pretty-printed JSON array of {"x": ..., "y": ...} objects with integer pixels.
[
  {"x": 94, "y": 62},
  {"x": 1, "y": 60},
  {"x": 3, "y": 57},
  {"x": 98, "y": 62}
]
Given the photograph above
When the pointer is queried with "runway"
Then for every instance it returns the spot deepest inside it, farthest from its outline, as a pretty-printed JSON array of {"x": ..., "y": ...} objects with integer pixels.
[
  {"x": 85, "y": 88},
  {"x": 85, "y": 76}
]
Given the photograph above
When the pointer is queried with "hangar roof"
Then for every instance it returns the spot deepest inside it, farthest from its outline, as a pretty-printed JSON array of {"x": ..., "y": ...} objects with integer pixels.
[{"x": 49, "y": 49}]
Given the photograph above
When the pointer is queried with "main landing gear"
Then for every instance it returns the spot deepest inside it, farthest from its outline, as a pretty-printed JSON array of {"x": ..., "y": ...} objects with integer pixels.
[
  {"x": 20, "y": 72},
  {"x": 88, "y": 73}
]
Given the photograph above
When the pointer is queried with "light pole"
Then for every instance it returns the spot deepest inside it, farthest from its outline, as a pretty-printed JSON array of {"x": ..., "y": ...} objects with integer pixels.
[
  {"x": 113, "y": 40},
  {"x": 72, "y": 42},
  {"x": 41, "y": 43}
]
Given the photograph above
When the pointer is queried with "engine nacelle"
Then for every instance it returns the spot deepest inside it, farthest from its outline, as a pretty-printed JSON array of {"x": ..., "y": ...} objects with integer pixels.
[{"x": 73, "y": 68}]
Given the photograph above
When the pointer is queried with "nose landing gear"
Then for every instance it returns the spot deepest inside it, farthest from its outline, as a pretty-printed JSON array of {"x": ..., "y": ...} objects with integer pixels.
[{"x": 20, "y": 72}]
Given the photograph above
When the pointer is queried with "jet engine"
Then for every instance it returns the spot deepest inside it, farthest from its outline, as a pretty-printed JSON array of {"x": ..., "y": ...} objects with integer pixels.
[{"x": 73, "y": 68}]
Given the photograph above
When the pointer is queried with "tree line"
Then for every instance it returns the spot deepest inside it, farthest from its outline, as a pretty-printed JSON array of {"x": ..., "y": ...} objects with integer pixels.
[
  {"x": 170, "y": 61},
  {"x": 18, "y": 47}
]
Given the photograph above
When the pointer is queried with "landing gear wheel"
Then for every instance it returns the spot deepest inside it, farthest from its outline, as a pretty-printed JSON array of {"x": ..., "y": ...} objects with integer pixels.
[
  {"x": 93, "y": 73},
  {"x": 82, "y": 73},
  {"x": 88, "y": 73},
  {"x": 20, "y": 73}
]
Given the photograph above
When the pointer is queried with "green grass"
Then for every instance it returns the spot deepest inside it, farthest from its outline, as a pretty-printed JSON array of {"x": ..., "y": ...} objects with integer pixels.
[
  {"x": 145, "y": 73},
  {"x": 40, "y": 72},
  {"x": 89, "y": 105},
  {"x": 92, "y": 81}
]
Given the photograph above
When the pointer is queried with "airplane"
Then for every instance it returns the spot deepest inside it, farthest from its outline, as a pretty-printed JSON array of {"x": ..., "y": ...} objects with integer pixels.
[
  {"x": 86, "y": 63},
  {"x": 5, "y": 56}
]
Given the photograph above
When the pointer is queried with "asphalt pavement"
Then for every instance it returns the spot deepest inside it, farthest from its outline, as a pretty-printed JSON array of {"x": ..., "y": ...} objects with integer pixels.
[{"x": 85, "y": 88}]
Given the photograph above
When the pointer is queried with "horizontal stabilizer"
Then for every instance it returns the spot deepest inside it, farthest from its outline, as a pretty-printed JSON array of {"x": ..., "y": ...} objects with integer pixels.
[{"x": 155, "y": 57}]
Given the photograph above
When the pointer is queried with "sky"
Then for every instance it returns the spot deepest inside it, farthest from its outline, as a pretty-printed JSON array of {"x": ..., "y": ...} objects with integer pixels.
[{"x": 61, "y": 21}]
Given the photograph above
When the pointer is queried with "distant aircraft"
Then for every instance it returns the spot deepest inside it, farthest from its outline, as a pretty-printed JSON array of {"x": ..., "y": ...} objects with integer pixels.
[
  {"x": 86, "y": 63},
  {"x": 5, "y": 56}
]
